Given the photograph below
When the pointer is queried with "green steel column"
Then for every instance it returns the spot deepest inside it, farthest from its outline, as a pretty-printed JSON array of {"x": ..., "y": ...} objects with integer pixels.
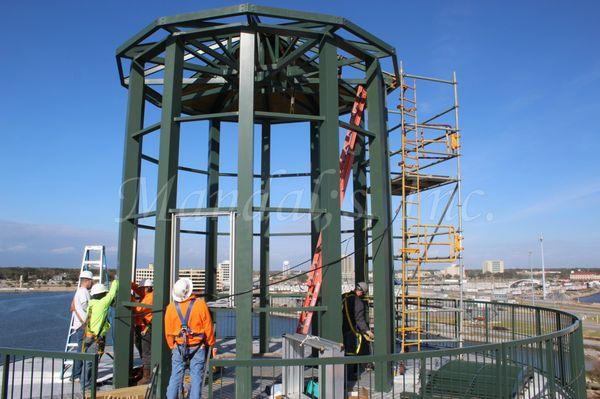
[
  {"x": 243, "y": 221},
  {"x": 127, "y": 227},
  {"x": 359, "y": 182},
  {"x": 315, "y": 172},
  {"x": 382, "y": 232},
  {"x": 265, "y": 192},
  {"x": 166, "y": 199},
  {"x": 329, "y": 187},
  {"x": 212, "y": 201}
]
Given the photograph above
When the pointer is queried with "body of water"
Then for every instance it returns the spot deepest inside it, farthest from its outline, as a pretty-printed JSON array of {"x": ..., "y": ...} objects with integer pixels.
[
  {"x": 590, "y": 299},
  {"x": 39, "y": 320}
]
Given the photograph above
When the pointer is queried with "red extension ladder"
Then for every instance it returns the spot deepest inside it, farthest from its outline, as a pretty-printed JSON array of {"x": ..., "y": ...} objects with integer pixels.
[{"x": 315, "y": 274}]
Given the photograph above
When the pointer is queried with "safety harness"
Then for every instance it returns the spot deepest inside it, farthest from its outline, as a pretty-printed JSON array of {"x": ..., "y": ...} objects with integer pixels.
[
  {"x": 359, "y": 336},
  {"x": 187, "y": 332}
]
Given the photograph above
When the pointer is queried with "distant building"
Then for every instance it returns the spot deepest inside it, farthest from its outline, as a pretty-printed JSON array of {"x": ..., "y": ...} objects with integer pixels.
[
  {"x": 493, "y": 266},
  {"x": 453, "y": 270},
  {"x": 198, "y": 276},
  {"x": 224, "y": 276},
  {"x": 584, "y": 275},
  {"x": 348, "y": 270},
  {"x": 143, "y": 274}
]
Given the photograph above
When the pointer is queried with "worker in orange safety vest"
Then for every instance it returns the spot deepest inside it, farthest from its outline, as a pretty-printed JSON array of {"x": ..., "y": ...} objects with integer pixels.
[
  {"x": 190, "y": 334},
  {"x": 142, "y": 318}
]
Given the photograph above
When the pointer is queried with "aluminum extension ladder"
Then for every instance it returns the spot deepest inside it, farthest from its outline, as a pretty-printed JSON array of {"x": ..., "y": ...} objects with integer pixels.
[
  {"x": 94, "y": 260},
  {"x": 315, "y": 274}
]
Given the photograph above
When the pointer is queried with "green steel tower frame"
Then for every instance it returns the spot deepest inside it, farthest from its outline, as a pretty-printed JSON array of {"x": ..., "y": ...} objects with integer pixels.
[{"x": 257, "y": 66}]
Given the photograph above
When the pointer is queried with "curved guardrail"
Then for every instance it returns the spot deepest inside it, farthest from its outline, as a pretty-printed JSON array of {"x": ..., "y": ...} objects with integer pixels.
[{"x": 500, "y": 351}]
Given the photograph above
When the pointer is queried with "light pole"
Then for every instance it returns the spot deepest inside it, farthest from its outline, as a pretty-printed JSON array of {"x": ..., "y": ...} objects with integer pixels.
[
  {"x": 543, "y": 268},
  {"x": 531, "y": 277}
]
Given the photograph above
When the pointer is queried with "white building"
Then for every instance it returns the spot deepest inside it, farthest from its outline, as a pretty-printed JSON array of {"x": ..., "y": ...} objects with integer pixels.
[
  {"x": 452, "y": 270},
  {"x": 348, "y": 269},
  {"x": 223, "y": 276},
  {"x": 198, "y": 276},
  {"x": 493, "y": 266}
]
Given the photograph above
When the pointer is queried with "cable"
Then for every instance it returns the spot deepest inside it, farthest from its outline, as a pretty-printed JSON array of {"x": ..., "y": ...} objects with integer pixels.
[{"x": 320, "y": 267}]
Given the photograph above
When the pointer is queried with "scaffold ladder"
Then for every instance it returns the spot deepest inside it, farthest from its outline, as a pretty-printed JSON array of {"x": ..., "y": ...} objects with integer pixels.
[
  {"x": 423, "y": 145},
  {"x": 315, "y": 274},
  {"x": 94, "y": 260}
]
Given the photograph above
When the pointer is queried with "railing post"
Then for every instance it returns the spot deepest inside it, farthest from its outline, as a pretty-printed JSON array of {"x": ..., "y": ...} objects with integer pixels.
[
  {"x": 512, "y": 321},
  {"x": 5, "y": 373},
  {"x": 560, "y": 349},
  {"x": 550, "y": 368},
  {"x": 94, "y": 377},
  {"x": 580, "y": 360},
  {"x": 500, "y": 354},
  {"x": 487, "y": 323}
]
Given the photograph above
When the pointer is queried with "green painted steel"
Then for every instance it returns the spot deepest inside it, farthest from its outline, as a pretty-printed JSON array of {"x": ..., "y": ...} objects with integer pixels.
[
  {"x": 243, "y": 221},
  {"x": 359, "y": 185},
  {"x": 212, "y": 201},
  {"x": 265, "y": 201},
  {"x": 166, "y": 200},
  {"x": 504, "y": 369},
  {"x": 383, "y": 264},
  {"x": 127, "y": 227},
  {"x": 329, "y": 187}
]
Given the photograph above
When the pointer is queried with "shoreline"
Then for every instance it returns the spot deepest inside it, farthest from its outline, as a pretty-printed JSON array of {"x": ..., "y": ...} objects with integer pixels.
[{"x": 15, "y": 290}]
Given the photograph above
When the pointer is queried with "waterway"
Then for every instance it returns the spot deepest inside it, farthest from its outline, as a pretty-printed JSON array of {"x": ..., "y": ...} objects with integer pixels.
[
  {"x": 590, "y": 299},
  {"x": 39, "y": 320}
]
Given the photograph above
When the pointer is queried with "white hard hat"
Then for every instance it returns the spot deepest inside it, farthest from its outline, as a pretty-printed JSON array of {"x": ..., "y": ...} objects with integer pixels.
[
  {"x": 98, "y": 289},
  {"x": 147, "y": 282},
  {"x": 182, "y": 289},
  {"x": 362, "y": 286},
  {"x": 86, "y": 274}
]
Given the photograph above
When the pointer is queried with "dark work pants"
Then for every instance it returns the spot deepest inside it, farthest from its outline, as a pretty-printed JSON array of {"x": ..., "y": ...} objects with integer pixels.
[{"x": 143, "y": 343}]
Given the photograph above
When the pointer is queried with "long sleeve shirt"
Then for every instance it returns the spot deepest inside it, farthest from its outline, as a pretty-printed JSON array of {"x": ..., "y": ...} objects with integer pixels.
[
  {"x": 79, "y": 307},
  {"x": 200, "y": 322},
  {"x": 98, "y": 324},
  {"x": 355, "y": 313},
  {"x": 142, "y": 316}
]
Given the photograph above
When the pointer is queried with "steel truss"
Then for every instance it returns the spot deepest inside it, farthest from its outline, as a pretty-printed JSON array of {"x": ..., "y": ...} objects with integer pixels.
[{"x": 256, "y": 65}]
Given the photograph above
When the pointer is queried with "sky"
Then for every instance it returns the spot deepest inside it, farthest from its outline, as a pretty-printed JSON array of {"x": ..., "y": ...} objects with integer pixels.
[{"x": 529, "y": 112}]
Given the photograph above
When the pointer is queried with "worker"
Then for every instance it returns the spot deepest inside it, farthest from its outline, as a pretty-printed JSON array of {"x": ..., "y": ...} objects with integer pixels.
[
  {"x": 142, "y": 317},
  {"x": 189, "y": 333},
  {"x": 79, "y": 306},
  {"x": 357, "y": 334},
  {"x": 97, "y": 324}
]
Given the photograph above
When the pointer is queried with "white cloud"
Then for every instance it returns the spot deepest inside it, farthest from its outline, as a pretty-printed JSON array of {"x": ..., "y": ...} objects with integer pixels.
[{"x": 63, "y": 250}]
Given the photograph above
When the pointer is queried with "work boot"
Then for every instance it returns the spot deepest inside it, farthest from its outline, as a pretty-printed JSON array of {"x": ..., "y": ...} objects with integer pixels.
[{"x": 145, "y": 377}]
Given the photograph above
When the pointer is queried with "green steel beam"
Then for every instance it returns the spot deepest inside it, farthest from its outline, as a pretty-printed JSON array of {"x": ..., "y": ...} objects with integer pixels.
[
  {"x": 123, "y": 358},
  {"x": 212, "y": 201},
  {"x": 359, "y": 185},
  {"x": 315, "y": 172},
  {"x": 243, "y": 220},
  {"x": 383, "y": 264},
  {"x": 265, "y": 188},
  {"x": 166, "y": 199},
  {"x": 329, "y": 187}
]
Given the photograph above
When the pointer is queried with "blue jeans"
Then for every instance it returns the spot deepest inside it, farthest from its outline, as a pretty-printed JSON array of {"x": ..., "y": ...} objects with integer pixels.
[
  {"x": 86, "y": 375},
  {"x": 78, "y": 364},
  {"x": 178, "y": 371}
]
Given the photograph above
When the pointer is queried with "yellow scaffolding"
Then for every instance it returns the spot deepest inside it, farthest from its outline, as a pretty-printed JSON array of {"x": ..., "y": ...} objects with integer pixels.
[{"x": 425, "y": 145}]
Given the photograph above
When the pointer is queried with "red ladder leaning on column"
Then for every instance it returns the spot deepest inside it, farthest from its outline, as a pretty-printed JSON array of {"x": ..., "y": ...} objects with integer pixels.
[{"x": 315, "y": 274}]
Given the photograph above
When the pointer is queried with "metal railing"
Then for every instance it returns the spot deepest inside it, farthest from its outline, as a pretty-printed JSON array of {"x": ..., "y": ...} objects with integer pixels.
[
  {"x": 507, "y": 351},
  {"x": 30, "y": 373}
]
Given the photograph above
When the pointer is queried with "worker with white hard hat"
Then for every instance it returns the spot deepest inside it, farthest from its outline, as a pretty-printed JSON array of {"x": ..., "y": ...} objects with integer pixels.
[
  {"x": 97, "y": 324},
  {"x": 142, "y": 318},
  {"x": 189, "y": 333},
  {"x": 78, "y": 309}
]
